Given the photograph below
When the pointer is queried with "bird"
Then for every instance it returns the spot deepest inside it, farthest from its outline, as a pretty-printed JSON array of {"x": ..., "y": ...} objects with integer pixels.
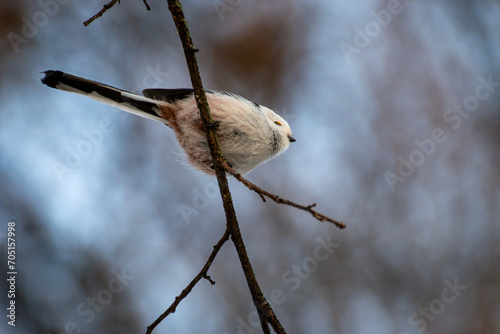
[{"x": 249, "y": 133}]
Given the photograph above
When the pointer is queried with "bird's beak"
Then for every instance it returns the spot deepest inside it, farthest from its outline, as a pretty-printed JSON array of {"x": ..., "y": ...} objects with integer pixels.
[{"x": 291, "y": 139}]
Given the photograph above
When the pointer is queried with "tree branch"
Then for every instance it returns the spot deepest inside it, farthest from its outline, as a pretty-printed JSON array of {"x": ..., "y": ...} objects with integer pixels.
[
  {"x": 266, "y": 313},
  {"x": 319, "y": 216},
  {"x": 105, "y": 8},
  {"x": 187, "y": 290},
  {"x": 102, "y": 11},
  {"x": 260, "y": 302}
]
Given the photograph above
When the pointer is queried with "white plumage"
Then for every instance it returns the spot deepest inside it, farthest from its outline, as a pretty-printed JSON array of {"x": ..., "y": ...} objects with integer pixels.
[{"x": 249, "y": 134}]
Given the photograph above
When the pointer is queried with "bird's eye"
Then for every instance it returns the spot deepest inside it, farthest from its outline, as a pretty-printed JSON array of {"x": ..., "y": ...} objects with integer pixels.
[{"x": 277, "y": 122}]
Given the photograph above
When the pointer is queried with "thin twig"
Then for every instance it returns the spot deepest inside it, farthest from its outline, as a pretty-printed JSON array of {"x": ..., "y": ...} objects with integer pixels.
[
  {"x": 319, "y": 216},
  {"x": 105, "y": 8},
  {"x": 102, "y": 11},
  {"x": 187, "y": 290}
]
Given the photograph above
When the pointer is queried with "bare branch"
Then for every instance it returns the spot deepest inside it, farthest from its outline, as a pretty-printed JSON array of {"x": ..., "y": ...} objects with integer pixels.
[
  {"x": 231, "y": 221},
  {"x": 105, "y": 8},
  {"x": 264, "y": 309},
  {"x": 319, "y": 216},
  {"x": 102, "y": 11},
  {"x": 187, "y": 290}
]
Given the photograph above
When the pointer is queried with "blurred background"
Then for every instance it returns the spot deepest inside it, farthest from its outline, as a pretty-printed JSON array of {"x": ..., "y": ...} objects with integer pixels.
[{"x": 395, "y": 108}]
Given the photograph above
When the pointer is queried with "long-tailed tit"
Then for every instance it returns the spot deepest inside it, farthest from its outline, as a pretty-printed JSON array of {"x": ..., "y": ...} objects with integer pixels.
[{"x": 249, "y": 134}]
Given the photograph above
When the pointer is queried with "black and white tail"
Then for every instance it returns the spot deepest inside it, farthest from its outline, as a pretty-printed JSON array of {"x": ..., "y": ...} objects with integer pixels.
[{"x": 129, "y": 102}]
